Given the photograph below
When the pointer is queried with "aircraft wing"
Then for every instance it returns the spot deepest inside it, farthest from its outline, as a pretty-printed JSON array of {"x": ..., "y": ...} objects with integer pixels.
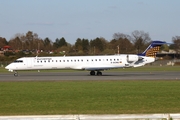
[{"x": 99, "y": 68}]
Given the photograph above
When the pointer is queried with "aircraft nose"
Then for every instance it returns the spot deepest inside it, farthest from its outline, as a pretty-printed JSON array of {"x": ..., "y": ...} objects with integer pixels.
[{"x": 9, "y": 67}]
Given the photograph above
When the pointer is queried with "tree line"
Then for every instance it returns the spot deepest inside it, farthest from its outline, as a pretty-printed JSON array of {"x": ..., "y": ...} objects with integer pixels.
[{"x": 120, "y": 44}]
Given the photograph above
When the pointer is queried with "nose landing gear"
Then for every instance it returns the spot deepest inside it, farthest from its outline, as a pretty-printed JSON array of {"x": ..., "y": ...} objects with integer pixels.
[{"x": 15, "y": 73}]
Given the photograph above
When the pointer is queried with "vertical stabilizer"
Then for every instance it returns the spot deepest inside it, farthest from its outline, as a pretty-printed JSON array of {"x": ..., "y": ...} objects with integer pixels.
[{"x": 152, "y": 49}]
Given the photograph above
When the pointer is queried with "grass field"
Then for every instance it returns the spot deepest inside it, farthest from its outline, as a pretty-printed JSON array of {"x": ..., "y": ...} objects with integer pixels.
[{"x": 89, "y": 97}]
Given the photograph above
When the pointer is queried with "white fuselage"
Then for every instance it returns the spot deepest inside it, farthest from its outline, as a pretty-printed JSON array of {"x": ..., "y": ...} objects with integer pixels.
[{"x": 91, "y": 63}]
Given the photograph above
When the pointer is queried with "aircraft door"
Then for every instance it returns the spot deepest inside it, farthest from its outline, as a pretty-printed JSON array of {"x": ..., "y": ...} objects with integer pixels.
[{"x": 29, "y": 62}]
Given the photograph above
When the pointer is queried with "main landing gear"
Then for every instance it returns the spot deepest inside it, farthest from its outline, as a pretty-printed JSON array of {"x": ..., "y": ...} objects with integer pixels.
[{"x": 99, "y": 73}]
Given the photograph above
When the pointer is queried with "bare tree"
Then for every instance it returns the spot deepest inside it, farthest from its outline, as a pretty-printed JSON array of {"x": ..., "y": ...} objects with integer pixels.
[
  {"x": 15, "y": 43},
  {"x": 140, "y": 40},
  {"x": 3, "y": 42},
  {"x": 118, "y": 35},
  {"x": 176, "y": 41},
  {"x": 121, "y": 43}
]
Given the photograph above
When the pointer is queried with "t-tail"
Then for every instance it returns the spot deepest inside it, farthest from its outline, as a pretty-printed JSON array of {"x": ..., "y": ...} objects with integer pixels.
[
  {"x": 152, "y": 49},
  {"x": 149, "y": 55}
]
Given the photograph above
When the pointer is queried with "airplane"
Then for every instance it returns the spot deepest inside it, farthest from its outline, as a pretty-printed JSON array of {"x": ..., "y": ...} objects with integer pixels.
[{"x": 94, "y": 64}]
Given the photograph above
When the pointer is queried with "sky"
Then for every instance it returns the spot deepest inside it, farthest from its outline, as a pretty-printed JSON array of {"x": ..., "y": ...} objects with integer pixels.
[{"x": 89, "y": 19}]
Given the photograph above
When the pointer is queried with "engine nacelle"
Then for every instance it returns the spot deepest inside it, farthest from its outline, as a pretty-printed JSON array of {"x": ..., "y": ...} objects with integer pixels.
[{"x": 132, "y": 58}]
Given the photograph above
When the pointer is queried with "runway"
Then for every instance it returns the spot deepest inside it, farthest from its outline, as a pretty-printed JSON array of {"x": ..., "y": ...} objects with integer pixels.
[{"x": 84, "y": 75}]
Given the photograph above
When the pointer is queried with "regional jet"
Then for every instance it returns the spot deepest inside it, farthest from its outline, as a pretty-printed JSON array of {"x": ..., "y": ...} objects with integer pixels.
[{"x": 94, "y": 64}]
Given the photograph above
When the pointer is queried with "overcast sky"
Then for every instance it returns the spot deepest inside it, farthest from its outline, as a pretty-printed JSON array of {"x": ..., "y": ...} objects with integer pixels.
[{"x": 90, "y": 19}]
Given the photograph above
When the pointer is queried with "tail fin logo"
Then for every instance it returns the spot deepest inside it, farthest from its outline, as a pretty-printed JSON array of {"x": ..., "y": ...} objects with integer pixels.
[{"x": 152, "y": 51}]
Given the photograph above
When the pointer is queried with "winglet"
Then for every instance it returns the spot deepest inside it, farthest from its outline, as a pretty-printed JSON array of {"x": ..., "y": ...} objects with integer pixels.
[{"x": 152, "y": 49}]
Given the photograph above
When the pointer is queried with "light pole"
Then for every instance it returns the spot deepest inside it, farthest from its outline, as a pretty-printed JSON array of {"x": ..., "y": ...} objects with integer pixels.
[{"x": 118, "y": 49}]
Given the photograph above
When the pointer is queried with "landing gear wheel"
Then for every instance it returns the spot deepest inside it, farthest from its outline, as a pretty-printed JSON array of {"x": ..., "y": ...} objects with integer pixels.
[
  {"x": 15, "y": 74},
  {"x": 99, "y": 73},
  {"x": 92, "y": 73}
]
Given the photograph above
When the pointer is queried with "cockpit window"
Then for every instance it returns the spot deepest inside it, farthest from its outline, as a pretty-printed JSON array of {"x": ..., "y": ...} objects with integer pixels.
[{"x": 18, "y": 61}]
